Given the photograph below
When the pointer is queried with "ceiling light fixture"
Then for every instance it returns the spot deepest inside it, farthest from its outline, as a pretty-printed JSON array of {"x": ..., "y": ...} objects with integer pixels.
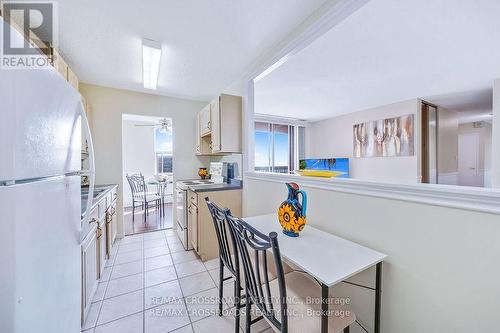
[{"x": 151, "y": 57}]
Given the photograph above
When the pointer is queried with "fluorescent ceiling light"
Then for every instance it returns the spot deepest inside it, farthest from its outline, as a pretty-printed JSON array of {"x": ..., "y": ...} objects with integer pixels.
[{"x": 151, "y": 56}]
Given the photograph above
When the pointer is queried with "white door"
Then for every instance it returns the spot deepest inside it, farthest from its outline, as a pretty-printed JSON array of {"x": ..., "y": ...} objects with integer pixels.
[{"x": 468, "y": 160}]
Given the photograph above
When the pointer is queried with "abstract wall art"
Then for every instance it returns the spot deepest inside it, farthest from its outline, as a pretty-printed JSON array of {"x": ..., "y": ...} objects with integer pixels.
[{"x": 384, "y": 138}]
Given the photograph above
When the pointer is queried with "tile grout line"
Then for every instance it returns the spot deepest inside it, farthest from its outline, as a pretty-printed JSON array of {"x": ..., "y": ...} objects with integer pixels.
[
  {"x": 182, "y": 292},
  {"x": 106, "y": 289},
  {"x": 143, "y": 288}
]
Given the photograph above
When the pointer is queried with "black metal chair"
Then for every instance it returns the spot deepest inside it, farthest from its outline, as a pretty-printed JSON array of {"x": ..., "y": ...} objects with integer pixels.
[
  {"x": 270, "y": 296},
  {"x": 141, "y": 195},
  {"x": 227, "y": 258}
]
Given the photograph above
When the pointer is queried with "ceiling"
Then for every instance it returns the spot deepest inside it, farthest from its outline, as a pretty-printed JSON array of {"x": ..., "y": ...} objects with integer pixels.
[
  {"x": 443, "y": 51},
  {"x": 206, "y": 45}
]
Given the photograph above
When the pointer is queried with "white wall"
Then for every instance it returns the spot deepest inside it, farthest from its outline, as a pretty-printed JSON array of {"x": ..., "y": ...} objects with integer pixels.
[
  {"x": 495, "y": 159},
  {"x": 447, "y": 147},
  {"x": 108, "y": 105},
  {"x": 334, "y": 138},
  {"x": 138, "y": 153},
  {"x": 441, "y": 273}
]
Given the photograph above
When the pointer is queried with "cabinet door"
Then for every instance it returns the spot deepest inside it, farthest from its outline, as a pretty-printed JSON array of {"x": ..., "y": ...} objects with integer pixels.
[
  {"x": 101, "y": 242},
  {"x": 193, "y": 226},
  {"x": 114, "y": 224},
  {"x": 205, "y": 121},
  {"x": 198, "y": 133},
  {"x": 72, "y": 79},
  {"x": 90, "y": 276},
  {"x": 215, "y": 124}
]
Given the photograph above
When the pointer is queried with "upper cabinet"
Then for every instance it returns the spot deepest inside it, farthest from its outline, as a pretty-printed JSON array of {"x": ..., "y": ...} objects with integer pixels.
[
  {"x": 205, "y": 126},
  {"x": 220, "y": 126}
]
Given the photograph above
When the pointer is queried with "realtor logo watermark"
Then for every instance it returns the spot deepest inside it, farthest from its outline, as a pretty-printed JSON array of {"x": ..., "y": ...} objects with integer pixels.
[{"x": 29, "y": 34}]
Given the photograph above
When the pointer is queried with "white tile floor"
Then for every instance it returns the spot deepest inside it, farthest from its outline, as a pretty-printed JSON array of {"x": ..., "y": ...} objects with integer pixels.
[{"x": 151, "y": 285}]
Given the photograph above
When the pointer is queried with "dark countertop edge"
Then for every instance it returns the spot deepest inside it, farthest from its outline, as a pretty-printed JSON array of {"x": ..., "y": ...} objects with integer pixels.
[
  {"x": 107, "y": 187},
  {"x": 223, "y": 187},
  {"x": 234, "y": 184}
]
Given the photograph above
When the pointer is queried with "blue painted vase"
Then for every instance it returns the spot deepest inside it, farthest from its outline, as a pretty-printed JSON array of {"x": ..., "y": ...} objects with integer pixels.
[{"x": 292, "y": 212}]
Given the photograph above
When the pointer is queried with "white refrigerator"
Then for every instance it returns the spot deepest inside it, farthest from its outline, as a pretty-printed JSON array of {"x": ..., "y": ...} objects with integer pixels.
[{"x": 40, "y": 209}]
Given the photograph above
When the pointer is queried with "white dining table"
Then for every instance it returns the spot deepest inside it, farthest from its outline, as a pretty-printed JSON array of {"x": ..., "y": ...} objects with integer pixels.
[{"x": 326, "y": 257}]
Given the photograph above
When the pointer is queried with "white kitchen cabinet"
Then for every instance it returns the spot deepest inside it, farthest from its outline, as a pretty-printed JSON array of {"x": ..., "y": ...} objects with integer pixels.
[
  {"x": 227, "y": 128},
  {"x": 90, "y": 275},
  {"x": 200, "y": 224},
  {"x": 193, "y": 220},
  {"x": 203, "y": 142},
  {"x": 215, "y": 116},
  {"x": 101, "y": 246},
  {"x": 111, "y": 226},
  {"x": 220, "y": 131},
  {"x": 205, "y": 125}
]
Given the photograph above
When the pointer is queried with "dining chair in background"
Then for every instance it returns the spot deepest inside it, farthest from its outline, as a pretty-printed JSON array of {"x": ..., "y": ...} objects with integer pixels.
[
  {"x": 141, "y": 195},
  {"x": 272, "y": 296}
]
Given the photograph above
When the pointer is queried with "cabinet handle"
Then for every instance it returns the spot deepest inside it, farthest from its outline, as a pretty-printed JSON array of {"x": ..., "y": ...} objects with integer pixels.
[{"x": 209, "y": 124}]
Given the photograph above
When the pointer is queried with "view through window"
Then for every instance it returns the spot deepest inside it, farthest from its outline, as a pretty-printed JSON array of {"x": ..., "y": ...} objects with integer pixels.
[
  {"x": 278, "y": 147},
  {"x": 163, "y": 150}
]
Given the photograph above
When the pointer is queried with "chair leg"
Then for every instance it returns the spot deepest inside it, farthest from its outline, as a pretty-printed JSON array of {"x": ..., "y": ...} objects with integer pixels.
[
  {"x": 133, "y": 210},
  {"x": 237, "y": 303},
  {"x": 347, "y": 329},
  {"x": 248, "y": 317},
  {"x": 221, "y": 285}
]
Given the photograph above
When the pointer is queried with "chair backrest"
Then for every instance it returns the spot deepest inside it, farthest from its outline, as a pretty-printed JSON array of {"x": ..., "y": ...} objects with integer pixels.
[
  {"x": 223, "y": 233},
  {"x": 137, "y": 186},
  {"x": 248, "y": 240}
]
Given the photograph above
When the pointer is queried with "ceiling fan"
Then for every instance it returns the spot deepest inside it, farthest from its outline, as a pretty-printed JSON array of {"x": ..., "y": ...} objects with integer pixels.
[{"x": 165, "y": 125}]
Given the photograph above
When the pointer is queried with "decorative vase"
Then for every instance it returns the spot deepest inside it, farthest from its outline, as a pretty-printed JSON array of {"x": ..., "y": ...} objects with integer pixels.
[
  {"x": 292, "y": 212},
  {"x": 203, "y": 173}
]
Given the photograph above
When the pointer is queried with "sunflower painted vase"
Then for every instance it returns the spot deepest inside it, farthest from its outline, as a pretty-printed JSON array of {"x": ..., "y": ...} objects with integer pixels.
[{"x": 292, "y": 212}]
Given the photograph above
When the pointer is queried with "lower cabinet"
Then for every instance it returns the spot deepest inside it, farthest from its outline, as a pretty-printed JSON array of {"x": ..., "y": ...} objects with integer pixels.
[
  {"x": 96, "y": 246},
  {"x": 201, "y": 229},
  {"x": 90, "y": 274},
  {"x": 101, "y": 244},
  {"x": 111, "y": 227},
  {"x": 193, "y": 225}
]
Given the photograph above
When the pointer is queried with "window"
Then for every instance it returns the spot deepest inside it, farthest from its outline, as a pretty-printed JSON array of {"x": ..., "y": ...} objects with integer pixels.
[
  {"x": 163, "y": 150},
  {"x": 278, "y": 147}
]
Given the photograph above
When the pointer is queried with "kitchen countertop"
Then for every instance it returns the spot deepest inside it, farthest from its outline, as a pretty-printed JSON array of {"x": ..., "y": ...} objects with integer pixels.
[
  {"x": 234, "y": 185},
  {"x": 103, "y": 191}
]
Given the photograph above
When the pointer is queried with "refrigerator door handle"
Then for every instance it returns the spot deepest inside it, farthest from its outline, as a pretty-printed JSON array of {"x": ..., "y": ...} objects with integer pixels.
[{"x": 91, "y": 171}]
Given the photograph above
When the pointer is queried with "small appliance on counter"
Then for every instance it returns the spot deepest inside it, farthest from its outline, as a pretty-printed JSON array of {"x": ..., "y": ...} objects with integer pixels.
[{"x": 216, "y": 172}]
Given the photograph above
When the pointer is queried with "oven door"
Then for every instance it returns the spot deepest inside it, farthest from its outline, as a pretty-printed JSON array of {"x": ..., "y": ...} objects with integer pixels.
[{"x": 181, "y": 211}]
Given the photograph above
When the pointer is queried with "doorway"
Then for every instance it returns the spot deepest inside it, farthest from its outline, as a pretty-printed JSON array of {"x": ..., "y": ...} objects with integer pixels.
[
  {"x": 429, "y": 143},
  {"x": 468, "y": 160},
  {"x": 147, "y": 149}
]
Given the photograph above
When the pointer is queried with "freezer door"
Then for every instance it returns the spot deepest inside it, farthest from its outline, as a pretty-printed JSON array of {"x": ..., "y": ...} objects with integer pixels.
[
  {"x": 40, "y": 279},
  {"x": 39, "y": 125}
]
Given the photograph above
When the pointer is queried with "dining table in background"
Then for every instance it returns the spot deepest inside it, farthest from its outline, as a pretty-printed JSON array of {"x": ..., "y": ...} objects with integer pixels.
[{"x": 161, "y": 187}]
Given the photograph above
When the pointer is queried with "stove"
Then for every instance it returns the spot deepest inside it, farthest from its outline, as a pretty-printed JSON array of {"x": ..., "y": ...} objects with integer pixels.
[{"x": 184, "y": 184}]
